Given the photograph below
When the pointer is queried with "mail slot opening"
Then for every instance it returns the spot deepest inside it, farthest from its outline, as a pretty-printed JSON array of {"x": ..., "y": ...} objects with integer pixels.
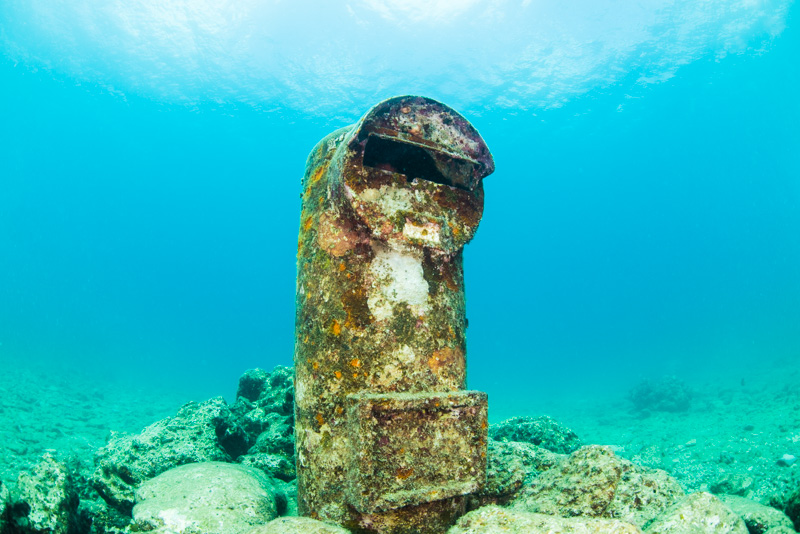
[{"x": 415, "y": 162}]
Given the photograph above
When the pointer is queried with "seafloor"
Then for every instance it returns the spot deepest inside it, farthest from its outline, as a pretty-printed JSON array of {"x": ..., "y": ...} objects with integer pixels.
[{"x": 732, "y": 438}]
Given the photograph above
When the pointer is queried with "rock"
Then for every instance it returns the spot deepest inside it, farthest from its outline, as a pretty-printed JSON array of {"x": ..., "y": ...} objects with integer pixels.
[
  {"x": 47, "y": 499},
  {"x": 732, "y": 484},
  {"x": 207, "y": 498},
  {"x": 758, "y": 518},
  {"x": 493, "y": 519},
  {"x": 272, "y": 465},
  {"x": 698, "y": 513},
  {"x": 786, "y": 460},
  {"x": 193, "y": 435},
  {"x": 265, "y": 410},
  {"x": 298, "y": 525},
  {"x": 792, "y": 508},
  {"x": 276, "y": 436},
  {"x": 666, "y": 395},
  {"x": 542, "y": 431},
  {"x": 505, "y": 475},
  {"x": 4, "y": 497},
  {"x": 252, "y": 384},
  {"x": 511, "y": 465},
  {"x": 96, "y": 517},
  {"x": 593, "y": 482}
]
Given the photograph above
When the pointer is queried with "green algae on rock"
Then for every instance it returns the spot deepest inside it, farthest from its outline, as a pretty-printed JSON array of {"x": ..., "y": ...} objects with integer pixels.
[
  {"x": 542, "y": 431},
  {"x": 388, "y": 204}
]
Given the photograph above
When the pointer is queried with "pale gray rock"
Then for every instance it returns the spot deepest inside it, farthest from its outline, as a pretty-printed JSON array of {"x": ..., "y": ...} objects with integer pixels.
[
  {"x": 493, "y": 520},
  {"x": 758, "y": 517},
  {"x": 298, "y": 525},
  {"x": 205, "y": 498},
  {"x": 697, "y": 513}
]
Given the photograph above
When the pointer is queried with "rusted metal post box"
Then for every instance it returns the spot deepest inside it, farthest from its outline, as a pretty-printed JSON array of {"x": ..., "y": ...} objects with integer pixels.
[{"x": 388, "y": 439}]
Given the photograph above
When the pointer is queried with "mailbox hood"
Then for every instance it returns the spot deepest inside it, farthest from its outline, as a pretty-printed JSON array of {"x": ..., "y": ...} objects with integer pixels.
[{"x": 423, "y": 139}]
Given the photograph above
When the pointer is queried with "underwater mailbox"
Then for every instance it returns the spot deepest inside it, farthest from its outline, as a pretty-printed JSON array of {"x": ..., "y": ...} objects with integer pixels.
[{"x": 387, "y": 437}]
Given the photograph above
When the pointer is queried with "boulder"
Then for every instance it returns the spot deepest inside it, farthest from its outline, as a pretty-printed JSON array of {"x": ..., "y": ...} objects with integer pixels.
[
  {"x": 493, "y": 519},
  {"x": 298, "y": 525},
  {"x": 698, "y": 513},
  {"x": 207, "y": 498},
  {"x": 265, "y": 410},
  {"x": 758, "y": 517},
  {"x": 542, "y": 431},
  {"x": 666, "y": 395},
  {"x": 792, "y": 508},
  {"x": 195, "y": 434},
  {"x": 47, "y": 500},
  {"x": 4, "y": 497},
  {"x": 593, "y": 482},
  {"x": 733, "y": 484},
  {"x": 272, "y": 465},
  {"x": 510, "y": 466},
  {"x": 781, "y": 530}
]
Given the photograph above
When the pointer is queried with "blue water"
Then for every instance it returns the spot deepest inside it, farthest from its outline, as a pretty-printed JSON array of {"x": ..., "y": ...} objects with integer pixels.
[{"x": 644, "y": 218}]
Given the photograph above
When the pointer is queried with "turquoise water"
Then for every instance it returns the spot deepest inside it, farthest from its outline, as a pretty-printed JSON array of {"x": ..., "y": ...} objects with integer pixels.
[{"x": 644, "y": 218}]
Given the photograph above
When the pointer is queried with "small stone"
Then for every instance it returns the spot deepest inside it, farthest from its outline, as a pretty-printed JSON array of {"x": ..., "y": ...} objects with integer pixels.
[
  {"x": 786, "y": 460},
  {"x": 726, "y": 458},
  {"x": 733, "y": 484},
  {"x": 691, "y": 443},
  {"x": 749, "y": 428}
]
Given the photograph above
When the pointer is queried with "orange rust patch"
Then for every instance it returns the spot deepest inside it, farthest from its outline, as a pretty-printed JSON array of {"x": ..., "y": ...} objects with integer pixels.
[
  {"x": 339, "y": 410},
  {"x": 336, "y": 328},
  {"x": 315, "y": 365},
  {"x": 320, "y": 420},
  {"x": 341, "y": 267},
  {"x": 338, "y": 374},
  {"x": 318, "y": 174},
  {"x": 404, "y": 473},
  {"x": 447, "y": 360},
  {"x": 307, "y": 223},
  {"x": 355, "y": 362}
]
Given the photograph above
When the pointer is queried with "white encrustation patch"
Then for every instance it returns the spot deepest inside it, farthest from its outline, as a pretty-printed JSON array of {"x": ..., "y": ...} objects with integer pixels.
[
  {"x": 405, "y": 354},
  {"x": 389, "y": 199},
  {"x": 397, "y": 278},
  {"x": 428, "y": 232},
  {"x": 175, "y": 521}
]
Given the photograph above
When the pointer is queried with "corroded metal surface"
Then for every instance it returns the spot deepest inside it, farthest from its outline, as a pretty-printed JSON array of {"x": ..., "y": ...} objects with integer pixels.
[{"x": 388, "y": 204}]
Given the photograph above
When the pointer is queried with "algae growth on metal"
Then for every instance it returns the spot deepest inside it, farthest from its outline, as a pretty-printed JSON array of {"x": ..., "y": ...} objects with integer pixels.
[{"x": 388, "y": 440}]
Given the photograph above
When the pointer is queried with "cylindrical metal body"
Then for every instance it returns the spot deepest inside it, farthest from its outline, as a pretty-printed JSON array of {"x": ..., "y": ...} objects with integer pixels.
[{"x": 387, "y": 440}]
